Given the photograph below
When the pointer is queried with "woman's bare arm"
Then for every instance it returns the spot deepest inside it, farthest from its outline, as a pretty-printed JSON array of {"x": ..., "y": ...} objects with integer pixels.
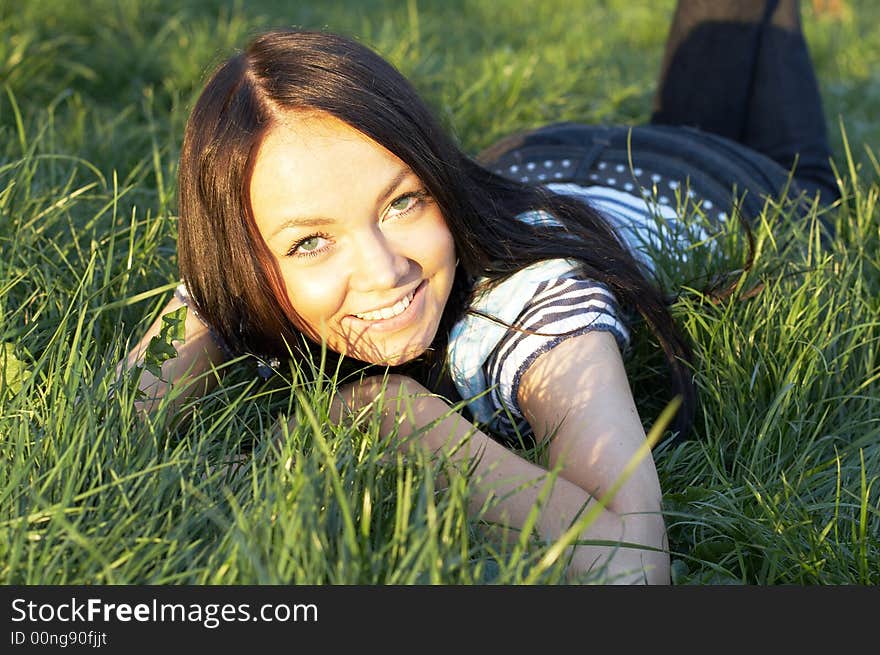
[
  {"x": 516, "y": 485},
  {"x": 578, "y": 396},
  {"x": 188, "y": 371}
]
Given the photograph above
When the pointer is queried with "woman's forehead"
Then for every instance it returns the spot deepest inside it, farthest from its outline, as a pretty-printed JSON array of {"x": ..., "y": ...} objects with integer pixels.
[
  {"x": 317, "y": 136},
  {"x": 315, "y": 164}
]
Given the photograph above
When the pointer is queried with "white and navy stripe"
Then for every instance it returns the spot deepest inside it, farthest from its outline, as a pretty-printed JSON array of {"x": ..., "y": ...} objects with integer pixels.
[
  {"x": 560, "y": 309},
  {"x": 649, "y": 225}
]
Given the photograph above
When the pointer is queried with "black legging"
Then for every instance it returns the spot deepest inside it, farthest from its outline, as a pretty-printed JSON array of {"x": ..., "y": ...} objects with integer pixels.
[{"x": 741, "y": 69}]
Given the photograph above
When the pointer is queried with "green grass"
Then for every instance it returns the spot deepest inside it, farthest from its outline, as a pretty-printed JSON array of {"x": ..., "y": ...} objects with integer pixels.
[{"x": 780, "y": 487}]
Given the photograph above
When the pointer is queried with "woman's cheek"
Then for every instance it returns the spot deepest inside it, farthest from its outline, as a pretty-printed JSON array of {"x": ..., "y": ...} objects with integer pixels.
[{"x": 317, "y": 298}]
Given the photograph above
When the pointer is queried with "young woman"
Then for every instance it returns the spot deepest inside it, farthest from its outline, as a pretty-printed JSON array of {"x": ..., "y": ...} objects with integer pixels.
[{"x": 321, "y": 203}]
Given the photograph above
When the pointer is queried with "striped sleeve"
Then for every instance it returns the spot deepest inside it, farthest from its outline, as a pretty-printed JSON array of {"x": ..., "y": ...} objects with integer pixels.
[{"x": 561, "y": 308}]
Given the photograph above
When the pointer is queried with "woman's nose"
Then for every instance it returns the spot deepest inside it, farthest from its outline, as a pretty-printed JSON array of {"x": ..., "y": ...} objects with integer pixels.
[{"x": 380, "y": 264}]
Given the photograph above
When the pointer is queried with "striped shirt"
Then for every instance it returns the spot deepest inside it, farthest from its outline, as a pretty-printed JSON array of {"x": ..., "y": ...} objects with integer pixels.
[
  {"x": 542, "y": 305},
  {"x": 565, "y": 307}
]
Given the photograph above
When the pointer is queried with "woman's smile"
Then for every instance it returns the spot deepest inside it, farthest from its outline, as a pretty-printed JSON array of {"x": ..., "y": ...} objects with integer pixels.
[{"x": 397, "y": 315}]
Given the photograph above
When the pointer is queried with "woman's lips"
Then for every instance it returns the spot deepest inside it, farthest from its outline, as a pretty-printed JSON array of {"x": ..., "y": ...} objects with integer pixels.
[{"x": 402, "y": 320}]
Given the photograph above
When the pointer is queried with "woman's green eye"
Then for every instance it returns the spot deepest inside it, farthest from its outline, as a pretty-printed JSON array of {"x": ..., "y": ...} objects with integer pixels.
[
  {"x": 309, "y": 244},
  {"x": 401, "y": 204}
]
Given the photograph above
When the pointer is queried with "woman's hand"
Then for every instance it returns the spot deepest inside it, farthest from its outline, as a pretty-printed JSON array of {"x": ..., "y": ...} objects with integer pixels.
[{"x": 196, "y": 355}]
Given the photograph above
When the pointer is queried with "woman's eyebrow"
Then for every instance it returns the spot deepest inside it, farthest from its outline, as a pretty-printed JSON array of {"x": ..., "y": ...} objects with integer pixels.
[
  {"x": 402, "y": 174},
  {"x": 303, "y": 221}
]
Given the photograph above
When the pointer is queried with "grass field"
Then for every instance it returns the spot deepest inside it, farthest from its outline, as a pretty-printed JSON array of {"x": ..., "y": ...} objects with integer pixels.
[{"x": 779, "y": 487}]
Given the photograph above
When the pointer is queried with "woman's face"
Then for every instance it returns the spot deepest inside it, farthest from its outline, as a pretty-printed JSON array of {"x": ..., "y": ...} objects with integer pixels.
[{"x": 365, "y": 255}]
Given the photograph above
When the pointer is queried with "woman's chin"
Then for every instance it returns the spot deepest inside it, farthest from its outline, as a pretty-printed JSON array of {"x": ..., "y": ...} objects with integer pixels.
[{"x": 389, "y": 359}]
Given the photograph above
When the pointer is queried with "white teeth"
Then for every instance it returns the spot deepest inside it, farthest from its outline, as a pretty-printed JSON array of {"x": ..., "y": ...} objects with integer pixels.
[{"x": 387, "y": 312}]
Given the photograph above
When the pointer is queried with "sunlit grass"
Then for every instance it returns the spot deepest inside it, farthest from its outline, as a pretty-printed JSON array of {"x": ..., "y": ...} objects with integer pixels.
[{"x": 778, "y": 487}]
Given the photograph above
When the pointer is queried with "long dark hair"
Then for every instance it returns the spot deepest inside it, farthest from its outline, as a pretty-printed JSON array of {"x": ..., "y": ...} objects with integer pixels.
[{"x": 230, "y": 274}]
